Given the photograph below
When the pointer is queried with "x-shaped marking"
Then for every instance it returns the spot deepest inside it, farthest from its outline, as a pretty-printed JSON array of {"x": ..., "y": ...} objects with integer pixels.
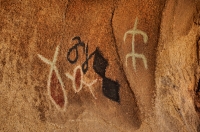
[
  {"x": 81, "y": 81},
  {"x": 53, "y": 67}
]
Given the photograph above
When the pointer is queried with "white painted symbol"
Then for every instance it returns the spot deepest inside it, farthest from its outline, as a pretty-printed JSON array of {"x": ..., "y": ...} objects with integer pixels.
[
  {"x": 53, "y": 67},
  {"x": 134, "y": 55},
  {"x": 73, "y": 78}
]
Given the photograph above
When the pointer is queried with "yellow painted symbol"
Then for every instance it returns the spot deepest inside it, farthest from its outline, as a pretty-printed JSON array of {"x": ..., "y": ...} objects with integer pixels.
[{"x": 134, "y": 55}]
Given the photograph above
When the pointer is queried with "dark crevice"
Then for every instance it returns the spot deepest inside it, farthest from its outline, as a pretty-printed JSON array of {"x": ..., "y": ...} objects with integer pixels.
[
  {"x": 198, "y": 87},
  {"x": 117, "y": 51},
  {"x": 158, "y": 45},
  {"x": 119, "y": 61},
  {"x": 196, "y": 18},
  {"x": 197, "y": 97},
  {"x": 197, "y": 49}
]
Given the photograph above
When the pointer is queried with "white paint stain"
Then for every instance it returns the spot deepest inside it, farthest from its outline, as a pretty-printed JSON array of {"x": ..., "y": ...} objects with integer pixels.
[
  {"x": 82, "y": 82},
  {"x": 134, "y": 55},
  {"x": 53, "y": 67}
]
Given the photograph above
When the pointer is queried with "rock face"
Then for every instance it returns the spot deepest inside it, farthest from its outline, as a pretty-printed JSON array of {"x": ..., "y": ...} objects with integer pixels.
[
  {"x": 177, "y": 70},
  {"x": 99, "y": 65}
]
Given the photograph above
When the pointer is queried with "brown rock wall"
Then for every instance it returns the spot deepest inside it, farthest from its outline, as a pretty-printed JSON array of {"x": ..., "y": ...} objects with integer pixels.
[
  {"x": 99, "y": 65},
  {"x": 176, "y": 71}
]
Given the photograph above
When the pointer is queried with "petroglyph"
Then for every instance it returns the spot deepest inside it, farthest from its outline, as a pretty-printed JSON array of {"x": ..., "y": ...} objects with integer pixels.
[
  {"x": 110, "y": 88},
  {"x": 55, "y": 86},
  {"x": 133, "y": 54},
  {"x": 77, "y": 80}
]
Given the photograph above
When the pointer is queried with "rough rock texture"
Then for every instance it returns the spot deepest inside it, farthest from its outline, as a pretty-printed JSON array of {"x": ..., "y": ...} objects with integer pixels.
[
  {"x": 107, "y": 65},
  {"x": 177, "y": 70}
]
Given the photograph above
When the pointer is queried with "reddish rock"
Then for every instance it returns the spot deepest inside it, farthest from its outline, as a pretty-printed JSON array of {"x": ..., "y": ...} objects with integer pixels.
[{"x": 116, "y": 65}]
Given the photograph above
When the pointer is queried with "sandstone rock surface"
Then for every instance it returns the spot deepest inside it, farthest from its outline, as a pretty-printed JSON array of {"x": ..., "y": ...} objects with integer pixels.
[{"x": 108, "y": 65}]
